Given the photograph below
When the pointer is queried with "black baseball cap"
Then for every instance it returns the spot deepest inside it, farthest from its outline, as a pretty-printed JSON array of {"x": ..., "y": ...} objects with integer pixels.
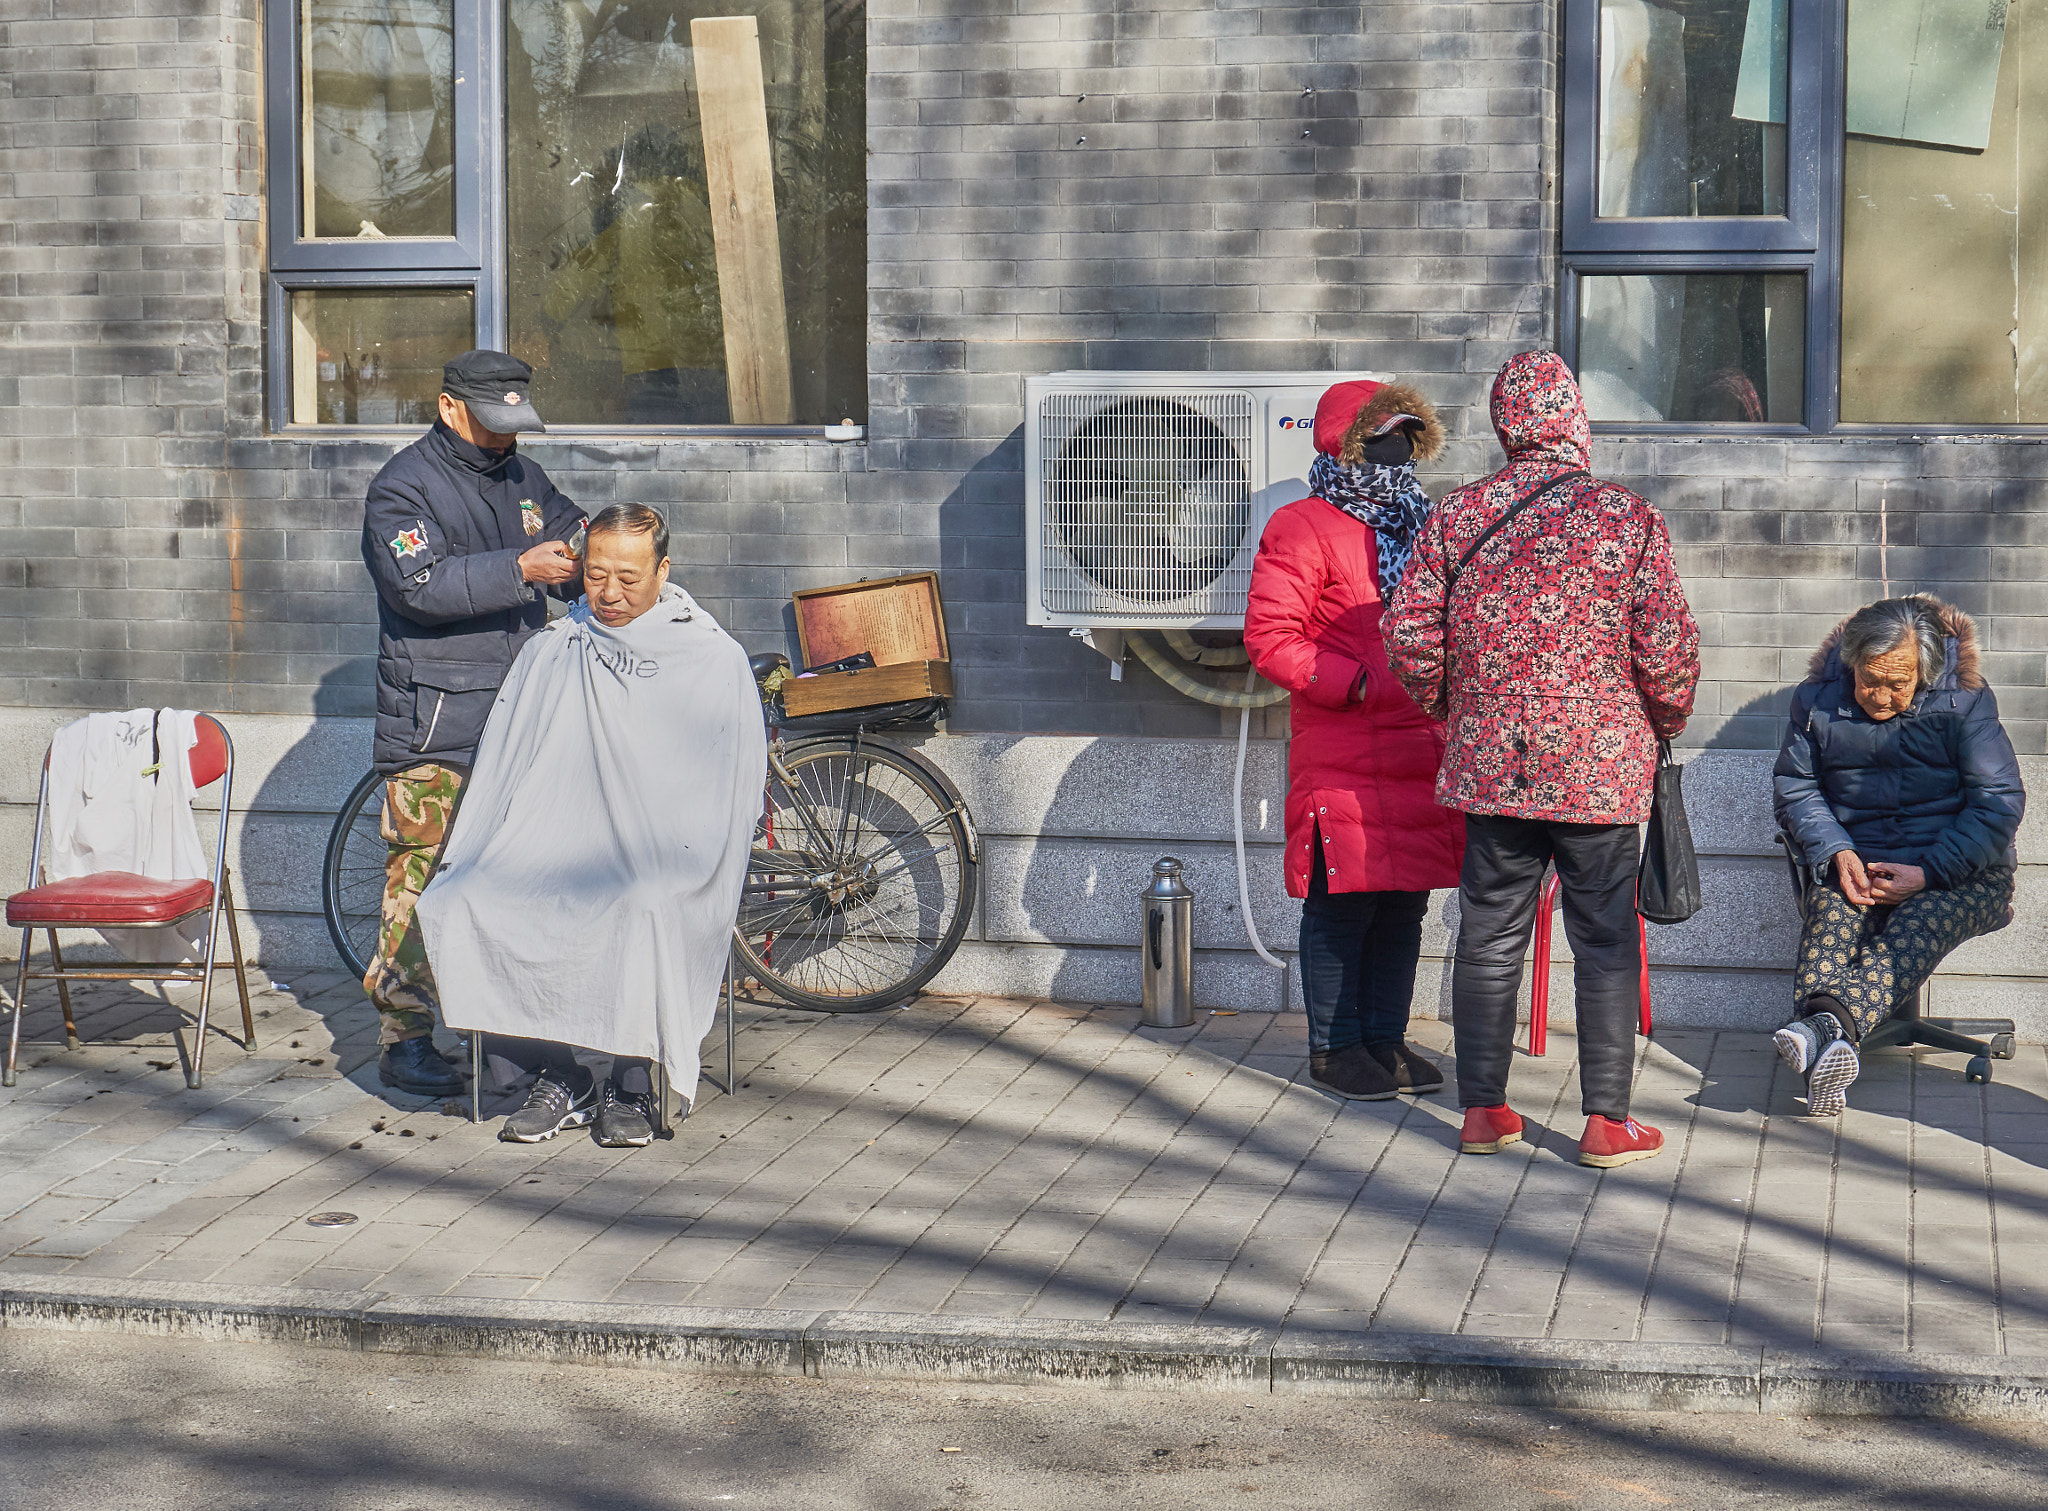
[{"x": 494, "y": 386}]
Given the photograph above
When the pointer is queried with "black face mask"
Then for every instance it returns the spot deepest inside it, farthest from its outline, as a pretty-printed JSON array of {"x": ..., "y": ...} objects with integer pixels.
[{"x": 1390, "y": 450}]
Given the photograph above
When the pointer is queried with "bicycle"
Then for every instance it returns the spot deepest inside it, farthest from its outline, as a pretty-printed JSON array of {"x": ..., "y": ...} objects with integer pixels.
[{"x": 860, "y": 881}]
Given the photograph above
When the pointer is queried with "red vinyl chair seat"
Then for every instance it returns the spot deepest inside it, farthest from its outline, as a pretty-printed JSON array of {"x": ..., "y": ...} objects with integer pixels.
[{"x": 108, "y": 898}]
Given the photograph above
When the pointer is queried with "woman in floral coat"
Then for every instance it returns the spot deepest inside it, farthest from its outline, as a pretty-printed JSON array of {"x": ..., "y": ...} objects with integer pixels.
[{"x": 1560, "y": 648}]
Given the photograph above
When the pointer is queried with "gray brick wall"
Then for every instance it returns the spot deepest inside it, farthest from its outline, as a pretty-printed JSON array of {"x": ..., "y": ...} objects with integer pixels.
[{"x": 1054, "y": 184}]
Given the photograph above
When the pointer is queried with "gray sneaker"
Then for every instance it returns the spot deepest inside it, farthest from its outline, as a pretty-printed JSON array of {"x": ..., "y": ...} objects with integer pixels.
[
  {"x": 1828, "y": 1083},
  {"x": 1801, "y": 1041},
  {"x": 624, "y": 1122},
  {"x": 550, "y": 1107},
  {"x": 1798, "y": 1045}
]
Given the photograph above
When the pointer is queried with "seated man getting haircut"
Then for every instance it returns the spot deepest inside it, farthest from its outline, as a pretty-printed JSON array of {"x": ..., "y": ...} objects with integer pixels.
[{"x": 588, "y": 891}]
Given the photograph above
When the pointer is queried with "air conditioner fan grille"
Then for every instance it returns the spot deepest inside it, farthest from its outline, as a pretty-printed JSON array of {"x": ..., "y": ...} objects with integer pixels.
[{"x": 1147, "y": 501}]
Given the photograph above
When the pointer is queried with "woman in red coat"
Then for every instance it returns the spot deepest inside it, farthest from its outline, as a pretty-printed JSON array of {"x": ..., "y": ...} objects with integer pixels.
[{"x": 1366, "y": 841}]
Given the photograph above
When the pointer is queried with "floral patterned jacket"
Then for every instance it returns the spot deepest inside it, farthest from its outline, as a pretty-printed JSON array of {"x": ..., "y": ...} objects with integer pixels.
[{"x": 1566, "y": 648}]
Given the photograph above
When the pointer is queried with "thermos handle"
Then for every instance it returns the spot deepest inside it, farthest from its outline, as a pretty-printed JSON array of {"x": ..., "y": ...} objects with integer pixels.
[{"x": 1155, "y": 925}]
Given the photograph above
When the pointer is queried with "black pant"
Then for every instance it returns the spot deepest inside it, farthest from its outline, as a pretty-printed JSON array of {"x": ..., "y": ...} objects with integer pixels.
[
  {"x": 1497, "y": 892},
  {"x": 507, "y": 1058},
  {"x": 1358, "y": 954}
]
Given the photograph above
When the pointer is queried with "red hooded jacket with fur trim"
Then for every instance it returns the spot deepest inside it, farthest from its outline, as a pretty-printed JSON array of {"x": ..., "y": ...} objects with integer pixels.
[
  {"x": 1567, "y": 648},
  {"x": 1359, "y": 770}
]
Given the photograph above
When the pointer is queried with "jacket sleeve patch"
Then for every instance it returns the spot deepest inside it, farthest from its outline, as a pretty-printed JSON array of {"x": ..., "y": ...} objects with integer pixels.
[{"x": 410, "y": 541}]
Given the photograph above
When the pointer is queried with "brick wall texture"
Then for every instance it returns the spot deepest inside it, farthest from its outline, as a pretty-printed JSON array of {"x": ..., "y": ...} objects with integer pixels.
[{"x": 1054, "y": 184}]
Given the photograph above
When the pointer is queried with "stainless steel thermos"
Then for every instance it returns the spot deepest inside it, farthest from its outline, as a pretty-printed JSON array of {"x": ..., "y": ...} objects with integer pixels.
[{"x": 1168, "y": 947}]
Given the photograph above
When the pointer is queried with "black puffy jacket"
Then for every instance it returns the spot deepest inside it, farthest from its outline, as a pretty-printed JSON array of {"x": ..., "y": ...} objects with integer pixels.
[
  {"x": 443, "y": 528},
  {"x": 1937, "y": 786}
]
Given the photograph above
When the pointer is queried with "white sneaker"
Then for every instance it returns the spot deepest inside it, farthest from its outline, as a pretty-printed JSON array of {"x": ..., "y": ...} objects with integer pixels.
[{"x": 1828, "y": 1083}]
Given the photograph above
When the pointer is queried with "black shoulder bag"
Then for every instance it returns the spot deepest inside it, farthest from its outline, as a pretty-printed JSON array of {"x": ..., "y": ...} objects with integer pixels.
[
  {"x": 1668, "y": 881},
  {"x": 1500, "y": 524}
]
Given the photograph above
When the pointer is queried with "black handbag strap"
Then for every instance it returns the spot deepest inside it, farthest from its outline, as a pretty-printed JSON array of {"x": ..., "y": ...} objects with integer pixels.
[{"x": 1498, "y": 525}]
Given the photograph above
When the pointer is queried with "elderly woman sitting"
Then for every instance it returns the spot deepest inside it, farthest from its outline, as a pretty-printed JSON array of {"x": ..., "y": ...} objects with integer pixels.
[{"x": 1897, "y": 781}]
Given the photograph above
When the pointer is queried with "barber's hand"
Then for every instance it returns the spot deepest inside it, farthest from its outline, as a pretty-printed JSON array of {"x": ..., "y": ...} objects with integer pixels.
[
  {"x": 1891, "y": 882},
  {"x": 1854, "y": 879},
  {"x": 549, "y": 564}
]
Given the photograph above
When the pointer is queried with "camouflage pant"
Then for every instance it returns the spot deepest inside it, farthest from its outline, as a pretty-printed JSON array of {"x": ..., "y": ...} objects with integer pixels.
[{"x": 418, "y": 803}]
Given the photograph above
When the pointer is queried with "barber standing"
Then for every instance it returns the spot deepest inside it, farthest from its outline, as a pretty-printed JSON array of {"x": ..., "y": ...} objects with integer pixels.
[{"x": 464, "y": 539}]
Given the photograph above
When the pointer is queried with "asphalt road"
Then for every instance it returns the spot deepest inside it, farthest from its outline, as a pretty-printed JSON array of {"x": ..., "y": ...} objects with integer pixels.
[{"x": 89, "y": 1421}]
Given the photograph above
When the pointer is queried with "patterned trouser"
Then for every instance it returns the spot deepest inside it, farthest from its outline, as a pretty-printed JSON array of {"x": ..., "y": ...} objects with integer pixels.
[
  {"x": 418, "y": 803},
  {"x": 1872, "y": 960}
]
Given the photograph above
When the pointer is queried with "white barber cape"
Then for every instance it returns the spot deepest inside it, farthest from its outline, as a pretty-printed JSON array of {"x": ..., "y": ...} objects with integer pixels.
[
  {"x": 588, "y": 889},
  {"x": 121, "y": 800}
]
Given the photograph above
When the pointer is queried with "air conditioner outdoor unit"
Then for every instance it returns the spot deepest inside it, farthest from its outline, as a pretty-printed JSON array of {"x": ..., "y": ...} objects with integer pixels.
[{"x": 1146, "y": 492}]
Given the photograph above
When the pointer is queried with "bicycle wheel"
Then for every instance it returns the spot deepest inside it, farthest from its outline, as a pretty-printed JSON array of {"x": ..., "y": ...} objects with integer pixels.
[
  {"x": 352, "y": 875},
  {"x": 861, "y": 879}
]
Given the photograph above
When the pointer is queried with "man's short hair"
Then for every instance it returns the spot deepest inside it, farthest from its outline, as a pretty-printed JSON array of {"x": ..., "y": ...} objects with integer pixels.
[{"x": 631, "y": 519}]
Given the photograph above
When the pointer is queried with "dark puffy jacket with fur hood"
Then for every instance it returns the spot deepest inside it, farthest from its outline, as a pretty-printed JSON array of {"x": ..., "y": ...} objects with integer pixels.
[{"x": 1937, "y": 786}]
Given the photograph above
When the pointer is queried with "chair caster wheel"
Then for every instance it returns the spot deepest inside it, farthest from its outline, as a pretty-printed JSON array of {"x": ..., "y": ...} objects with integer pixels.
[
  {"x": 2002, "y": 1047},
  {"x": 1978, "y": 1071}
]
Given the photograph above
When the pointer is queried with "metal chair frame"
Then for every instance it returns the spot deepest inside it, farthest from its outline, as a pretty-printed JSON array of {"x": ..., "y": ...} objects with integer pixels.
[
  {"x": 660, "y": 1071},
  {"x": 200, "y": 972},
  {"x": 1908, "y": 1024},
  {"x": 1539, "y": 985}
]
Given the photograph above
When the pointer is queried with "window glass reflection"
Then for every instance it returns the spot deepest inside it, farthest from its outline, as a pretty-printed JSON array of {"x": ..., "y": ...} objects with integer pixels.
[
  {"x": 1692, "y": 107},
  {"x": 628, "y": 122},
  {"x": 374, "y": 357},
  {"x": 377, "y": 154},
  {"x": 1945, "y": 215},
  {"x": 1710, "y": 348}
]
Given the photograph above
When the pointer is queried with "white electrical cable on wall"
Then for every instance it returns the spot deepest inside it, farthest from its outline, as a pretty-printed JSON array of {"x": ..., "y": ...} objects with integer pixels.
[{"x": 1244, "y": 890}]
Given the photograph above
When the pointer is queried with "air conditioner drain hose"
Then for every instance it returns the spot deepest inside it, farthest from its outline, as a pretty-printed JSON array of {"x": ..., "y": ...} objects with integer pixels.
[
  {"x": 1194, "y": 687},
  {"x": 1244, "y": 889},
  {"x": 1188, "y": 648}
]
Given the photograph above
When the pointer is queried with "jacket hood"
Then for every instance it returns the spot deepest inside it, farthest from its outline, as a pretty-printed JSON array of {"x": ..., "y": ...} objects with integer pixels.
[
  {"x": 1960, "y": 668},
  {"x": 1348, "y": 415},
  {"x": 1537, "y": 411}
]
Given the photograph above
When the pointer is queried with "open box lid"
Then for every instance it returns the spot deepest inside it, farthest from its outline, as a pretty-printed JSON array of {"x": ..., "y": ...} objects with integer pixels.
[{"x": 896, "y": 619}]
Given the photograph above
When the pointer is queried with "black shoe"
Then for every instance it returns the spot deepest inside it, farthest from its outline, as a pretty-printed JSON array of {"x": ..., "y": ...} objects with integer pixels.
[
  {"x": 624, "y": 1122},
  {"x": 550, "y": 1107},
  {"x": 1353, "y": 1074},
  {"x": 415, "y": 1066},
  {"x": 1411, "y": 1072}
]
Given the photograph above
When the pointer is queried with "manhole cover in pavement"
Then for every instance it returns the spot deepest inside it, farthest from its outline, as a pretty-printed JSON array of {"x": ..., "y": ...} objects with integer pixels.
[{"x": 330, "y": 1219}]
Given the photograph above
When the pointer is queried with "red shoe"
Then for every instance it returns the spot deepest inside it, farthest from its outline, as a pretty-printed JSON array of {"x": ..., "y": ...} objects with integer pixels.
[
  {"x": 1607, "y": 1143},
  {"x": 1488, "y": 1130}
]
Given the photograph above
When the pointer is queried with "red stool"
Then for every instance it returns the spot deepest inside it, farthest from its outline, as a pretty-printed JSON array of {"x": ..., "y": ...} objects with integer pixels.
[{"x": 1539, "y": 989}]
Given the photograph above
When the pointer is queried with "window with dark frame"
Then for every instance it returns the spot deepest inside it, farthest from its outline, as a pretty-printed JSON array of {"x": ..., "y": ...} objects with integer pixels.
[
  {"x": 1805, "y": 214},
  {"x": 661, "y": 205}
]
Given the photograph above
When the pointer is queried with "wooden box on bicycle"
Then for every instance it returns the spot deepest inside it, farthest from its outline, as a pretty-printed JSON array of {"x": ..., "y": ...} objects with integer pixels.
[{"x": 900, "y": 621}]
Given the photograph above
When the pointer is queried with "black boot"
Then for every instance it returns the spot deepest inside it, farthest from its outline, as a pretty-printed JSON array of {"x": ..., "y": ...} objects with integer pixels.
[
  {"x": 1411, "y": 1072},
  {"x": 1353, "y": 1074},
  {"x": 415, "y": 1066}
]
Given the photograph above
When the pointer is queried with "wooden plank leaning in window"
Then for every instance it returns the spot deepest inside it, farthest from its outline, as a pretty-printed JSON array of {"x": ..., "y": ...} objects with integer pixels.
[{"x": 739, "y": 175}]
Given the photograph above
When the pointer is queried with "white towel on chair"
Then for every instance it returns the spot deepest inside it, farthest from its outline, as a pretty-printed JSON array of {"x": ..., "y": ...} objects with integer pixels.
[{"x": 109, "y": 812}]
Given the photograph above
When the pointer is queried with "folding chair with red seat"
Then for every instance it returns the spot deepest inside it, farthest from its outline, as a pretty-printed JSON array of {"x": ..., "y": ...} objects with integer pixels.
[{"x": 123, "y": 900}]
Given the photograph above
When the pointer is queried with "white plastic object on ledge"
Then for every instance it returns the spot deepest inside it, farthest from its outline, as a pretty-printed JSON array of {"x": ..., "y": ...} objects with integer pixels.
[{"x": 845, "y": 430}]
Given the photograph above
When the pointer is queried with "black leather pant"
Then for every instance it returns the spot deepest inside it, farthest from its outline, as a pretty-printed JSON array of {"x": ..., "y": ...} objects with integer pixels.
[{"x": 1497, "y": 894}]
